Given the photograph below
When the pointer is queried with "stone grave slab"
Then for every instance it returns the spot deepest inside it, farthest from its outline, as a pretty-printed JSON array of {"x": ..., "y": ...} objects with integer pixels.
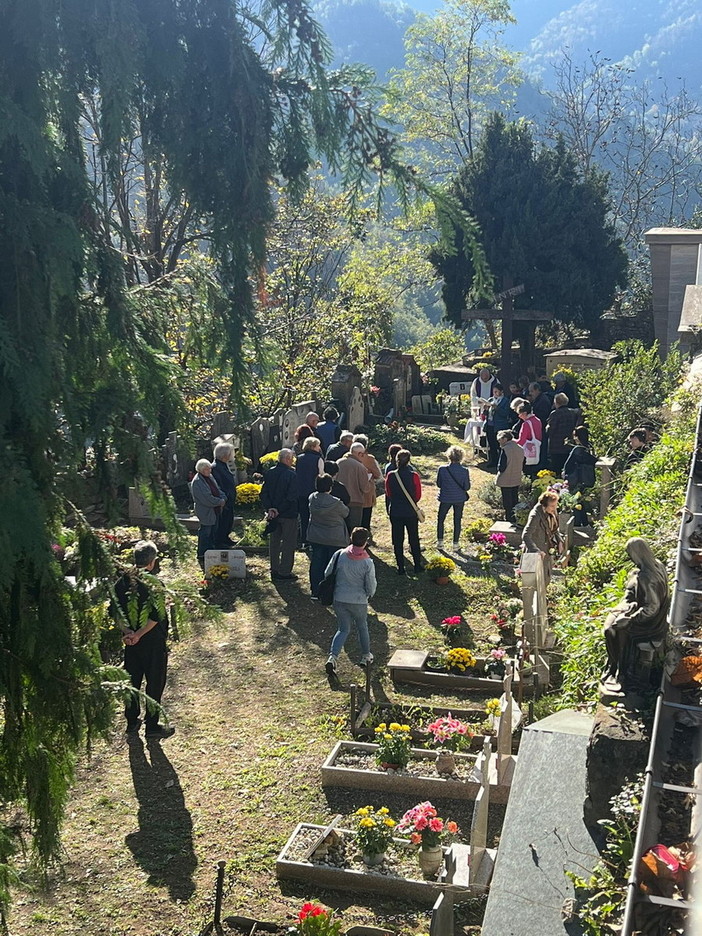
[
  {"x": 544, "y": 832},
  {"x": 409, "y": 666},
  {"x": 234, "y": 559},
  {"x": 512, "y": 533}
]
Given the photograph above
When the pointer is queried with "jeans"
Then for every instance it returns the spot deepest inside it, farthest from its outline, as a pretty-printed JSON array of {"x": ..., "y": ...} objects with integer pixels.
[
  {"x": 398, "y": 526},
  {"x": 283, "y": 541},
  {"x": 346, "y": 614},
  {"x": 205, "y": 541},
  {"x": 321, "y": 556},
  {"x": 146, "y": 659},
  {"x": 457, "y": 517},
  {"x": 510, "y": 496}
]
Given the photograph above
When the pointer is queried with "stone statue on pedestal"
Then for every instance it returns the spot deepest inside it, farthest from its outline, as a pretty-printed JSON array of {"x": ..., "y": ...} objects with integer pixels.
[{"x": 639, "y": 618}]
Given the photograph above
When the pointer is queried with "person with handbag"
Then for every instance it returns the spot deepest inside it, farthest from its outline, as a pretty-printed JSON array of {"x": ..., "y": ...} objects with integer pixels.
[
  {"x": 354, "y": 585},
  {"x": 403, "y": 490},
  {"x": 326, "y": 531},
  {"x": 531, "y": 433},
  {"x": 453, "y": 483}
]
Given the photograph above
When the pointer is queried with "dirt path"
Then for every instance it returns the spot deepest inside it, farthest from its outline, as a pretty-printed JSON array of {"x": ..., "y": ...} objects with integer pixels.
[{"x": 255, "y": 718}]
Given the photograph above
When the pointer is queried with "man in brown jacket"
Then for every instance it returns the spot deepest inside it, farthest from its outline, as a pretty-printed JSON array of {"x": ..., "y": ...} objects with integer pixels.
[{"x": 354, "y": 476}]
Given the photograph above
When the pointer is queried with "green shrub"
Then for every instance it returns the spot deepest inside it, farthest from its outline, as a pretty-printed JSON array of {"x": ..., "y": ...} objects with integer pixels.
[
  {"x": 653, "y": 495},
  {"x": 625, "y": 393},
  {"x": 419, "y": 440}
]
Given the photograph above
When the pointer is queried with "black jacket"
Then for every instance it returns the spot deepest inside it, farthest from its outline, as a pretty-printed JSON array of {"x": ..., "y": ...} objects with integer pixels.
[
  {"x": 225, "y": 479},
  {"x": 279, "y": 491},
  {"x": 138, "y": 605}
]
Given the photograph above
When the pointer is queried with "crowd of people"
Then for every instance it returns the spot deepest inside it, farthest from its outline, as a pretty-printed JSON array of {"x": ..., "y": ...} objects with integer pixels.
[{"x": 320, "y": 497}]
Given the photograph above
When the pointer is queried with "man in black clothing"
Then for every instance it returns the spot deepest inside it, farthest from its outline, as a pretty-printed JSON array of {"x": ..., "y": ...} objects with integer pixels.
[
  {"x": 340, "y": 448},
  {"x": 279, "y": 498},
  {"x": 227, "y": 485},
  {"x": 144, "y": 624}
]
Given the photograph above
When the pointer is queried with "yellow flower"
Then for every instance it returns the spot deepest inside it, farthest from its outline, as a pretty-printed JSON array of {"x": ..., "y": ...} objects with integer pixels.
[
  {"x": 390, "y": 823},
  {"x": 395, "y": 727},
  {"x": 363, "y": 811},
  {"x": 388, "y": 737},
  {"x": 406, "y": 728},
  {"x": 367, "y": 823},
  {"x": 383, "y": 810}
]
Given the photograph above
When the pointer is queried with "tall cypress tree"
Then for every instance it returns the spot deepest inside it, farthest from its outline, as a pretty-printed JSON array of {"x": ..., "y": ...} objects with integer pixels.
[
  {"x": 542, "y": 224},
  {"x": 227, "y": 101}
]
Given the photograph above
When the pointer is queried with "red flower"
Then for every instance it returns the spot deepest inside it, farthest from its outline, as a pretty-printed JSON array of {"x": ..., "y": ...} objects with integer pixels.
[{"x": 310, "y": 909}]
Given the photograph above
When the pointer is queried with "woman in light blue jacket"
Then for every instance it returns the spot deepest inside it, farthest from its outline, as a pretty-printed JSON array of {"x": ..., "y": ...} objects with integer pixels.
[
  {"x": 453, "y": 484},
  {"x": 355, "y": 584}
]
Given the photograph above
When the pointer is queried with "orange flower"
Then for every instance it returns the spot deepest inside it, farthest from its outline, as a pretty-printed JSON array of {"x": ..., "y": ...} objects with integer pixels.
[{"x": 451, "y": 827}]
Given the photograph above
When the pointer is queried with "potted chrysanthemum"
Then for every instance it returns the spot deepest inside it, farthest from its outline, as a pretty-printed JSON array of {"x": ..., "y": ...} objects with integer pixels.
[{"x": 427, "y": 829}]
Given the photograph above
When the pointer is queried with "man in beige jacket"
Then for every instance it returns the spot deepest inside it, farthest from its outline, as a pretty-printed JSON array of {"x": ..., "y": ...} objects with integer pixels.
[{"x": 354, "y": 476}]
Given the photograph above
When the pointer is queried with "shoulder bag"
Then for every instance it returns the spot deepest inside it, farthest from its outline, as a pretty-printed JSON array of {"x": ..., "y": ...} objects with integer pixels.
[
  {"x": 325, "y": 592},
  {"x": 421, "y": 516},
  {"x": 532, "y": 447}
]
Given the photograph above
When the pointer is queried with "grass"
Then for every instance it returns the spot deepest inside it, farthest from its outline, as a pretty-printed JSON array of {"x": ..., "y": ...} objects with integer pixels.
[{"x": 255, "y": 718}]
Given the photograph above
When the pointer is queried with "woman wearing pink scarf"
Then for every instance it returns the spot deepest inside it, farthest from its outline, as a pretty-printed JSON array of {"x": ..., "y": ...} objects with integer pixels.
[{"x": 355, "y": 584}]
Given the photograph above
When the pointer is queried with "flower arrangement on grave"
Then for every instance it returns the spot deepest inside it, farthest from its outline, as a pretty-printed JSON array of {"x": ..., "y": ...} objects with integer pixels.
[
  {"x": 248, "y": 493},
  {"x": 440, "y": 567},
  {"x": 496, "y": 663},
  {"x": 267, "y": 461},
  {"x": 493, "y": 709},
  {"x": 477, "y": 530},
  {"x": 458, "y": 659},
  {"x": 313, "y": 920},
  {"x": 451, "y": 626},
  {"x": 393, "y": 742},
  {"x": 374, "y": 832},
  {"x": 450, "y": 734},
  {"x": 217, "y": 573},
  {"x": 427, "y": 830},
  {"x": 241, "y": 461}
]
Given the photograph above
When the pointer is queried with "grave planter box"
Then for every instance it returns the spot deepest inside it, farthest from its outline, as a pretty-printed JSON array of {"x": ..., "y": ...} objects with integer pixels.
[
  {"x": 411, "y": 666},
  {"x": 453, "y": 877},
  {"x": 421, "y": 787}
]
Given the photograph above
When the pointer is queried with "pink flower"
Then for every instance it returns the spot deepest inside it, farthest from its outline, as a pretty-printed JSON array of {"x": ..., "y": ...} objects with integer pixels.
[
  {"x": 498, "y": 653},
  {"x": 436, "y": 825},
  {"x": 421, "y": 822}
]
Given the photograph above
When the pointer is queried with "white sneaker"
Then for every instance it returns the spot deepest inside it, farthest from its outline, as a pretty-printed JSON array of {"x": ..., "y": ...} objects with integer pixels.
[
  {"x": 331, "y": 665},
  {"x": 456, "y": 547},
  {"x": 366, "y": 659},
  {"x": 439, "y": 544}
]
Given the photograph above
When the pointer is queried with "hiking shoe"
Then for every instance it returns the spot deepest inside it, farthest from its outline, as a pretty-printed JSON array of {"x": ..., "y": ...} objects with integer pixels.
[
  {"x": 331, "y": 665},
  {"x": 456, "y": 547},
  {"x": 160, "y": 732},
  {"x": 133, "y": 727},
  {"x": 366, "y": 659},
  {"x": 439, "y": 544}
]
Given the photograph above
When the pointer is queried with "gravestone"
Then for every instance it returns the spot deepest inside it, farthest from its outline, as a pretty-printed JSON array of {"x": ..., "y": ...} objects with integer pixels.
[
  {"x": 178, "y": 461},
  {"x": 260, "y": 439},
  {"x": 294, "y": 417},
  {"x": 345, "y": 378},
  {"x": 137, "y": 508},
  {"x": 222, "y": 424},
  {"x": 356, "y": 414},
  {"x": 234, "y": 559}
]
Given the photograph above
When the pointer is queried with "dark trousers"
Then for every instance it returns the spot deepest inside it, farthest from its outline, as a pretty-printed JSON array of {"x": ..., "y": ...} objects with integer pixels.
[
  {"x": 224, "y": 527},
  {"x": 282, "y": 543},
  {"x": 303, "y": 509},
  {"x": 509, "y": 502},
  {"x": 366, "y": 517},
  {"x": 398, "y": 526},
  {"x": 146, "y": 660},
  {"x": 493, "y": 446},
  {"x": 205, "y": 541},
  {"x": 355, "y": 517},
  {"x": 321, "y": 556},
  {"x": 457, "y": 517}
]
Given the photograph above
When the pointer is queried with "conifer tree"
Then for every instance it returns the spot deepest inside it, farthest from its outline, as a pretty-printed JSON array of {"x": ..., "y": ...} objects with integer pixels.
[
  {"x": 226, "y": 101},
  {"x": 542, "y": 224}
]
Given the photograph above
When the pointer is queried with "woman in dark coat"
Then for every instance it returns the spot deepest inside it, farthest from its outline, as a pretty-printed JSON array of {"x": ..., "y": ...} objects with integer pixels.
[
  {"x": 403, "y": 515},
  {"x": 308, "y": 467},
  {"x": 579, "y": 469}
]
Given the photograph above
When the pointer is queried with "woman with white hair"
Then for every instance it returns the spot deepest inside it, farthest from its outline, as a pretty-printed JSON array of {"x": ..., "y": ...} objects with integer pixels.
[
  {"x": 223, "y": 455},
  {"x": 453, "y": 483},
  {"x": 209, "y": 501}
]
